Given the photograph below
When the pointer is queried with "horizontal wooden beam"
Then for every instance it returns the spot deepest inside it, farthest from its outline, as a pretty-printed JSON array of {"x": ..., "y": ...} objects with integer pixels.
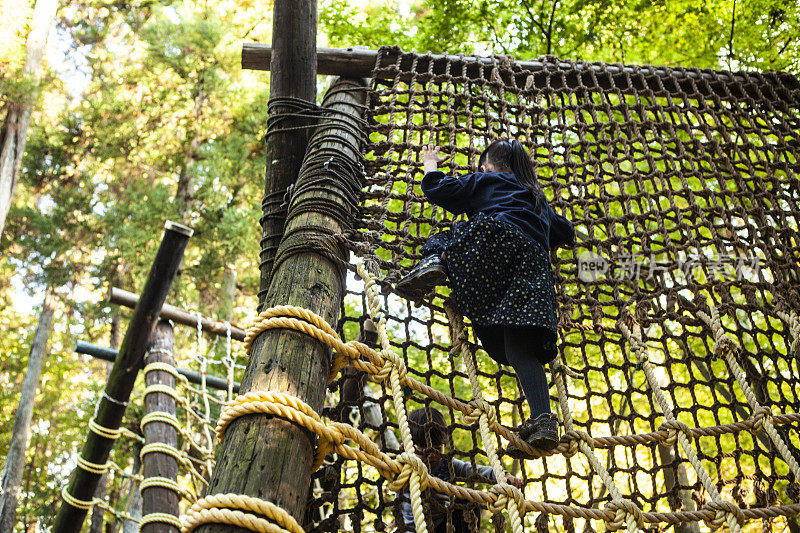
[
  {"x": 345, "y": 62},
  {"x": 109, "y": 354},
  {"x": 176, "y": 314},
  {"x": 360, "y": 62}
]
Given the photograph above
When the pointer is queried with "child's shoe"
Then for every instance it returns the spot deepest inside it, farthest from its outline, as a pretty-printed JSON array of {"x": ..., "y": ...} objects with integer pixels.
[
  {"x": 540, "y": 433},
  {"x": 428, "y": 273}
]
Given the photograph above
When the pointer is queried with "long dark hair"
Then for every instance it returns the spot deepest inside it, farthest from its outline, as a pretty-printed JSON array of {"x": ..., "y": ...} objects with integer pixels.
[
  {"x": 427, "y": 424},
  {"x": 511, "y": 156}
]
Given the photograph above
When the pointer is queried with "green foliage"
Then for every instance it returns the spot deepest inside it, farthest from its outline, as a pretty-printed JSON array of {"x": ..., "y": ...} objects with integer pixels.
[
  {"x": 762, "y": 34},
  {"x": 161, "y": 102}
]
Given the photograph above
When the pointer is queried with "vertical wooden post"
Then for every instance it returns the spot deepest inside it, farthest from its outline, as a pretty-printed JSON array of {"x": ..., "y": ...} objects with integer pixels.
[
  {"x": 293, "y": 74},
  {"x": 158, "y": 499},
  {"x": 111, "y": 408},
  {"x": 268, "y": 457}
]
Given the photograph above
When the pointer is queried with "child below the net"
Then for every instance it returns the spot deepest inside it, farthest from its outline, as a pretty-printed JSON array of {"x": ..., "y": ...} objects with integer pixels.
[
  {"x": 429, "y": 433},
  {"x": 498, "y": 266}
]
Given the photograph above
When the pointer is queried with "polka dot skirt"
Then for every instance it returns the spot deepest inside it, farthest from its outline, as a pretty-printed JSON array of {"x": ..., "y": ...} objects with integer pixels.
[{"x": 497, "y": 274}]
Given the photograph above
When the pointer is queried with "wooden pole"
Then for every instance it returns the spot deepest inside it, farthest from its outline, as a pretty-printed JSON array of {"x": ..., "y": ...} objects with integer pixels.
[
  {"x": 123, "y": 374},
  {"x": 176, "y": 314},
  {"x": 360, "y": 62},
  {"x": 293, "y": 64},
  {"x": 108, "y": 354},
  {"x": 158, "y": 499},
  {"x": 268, "y": 457}
]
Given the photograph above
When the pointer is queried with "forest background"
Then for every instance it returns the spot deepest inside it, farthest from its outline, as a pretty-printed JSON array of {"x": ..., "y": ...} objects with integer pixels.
[{"x": 142, "y": 114}]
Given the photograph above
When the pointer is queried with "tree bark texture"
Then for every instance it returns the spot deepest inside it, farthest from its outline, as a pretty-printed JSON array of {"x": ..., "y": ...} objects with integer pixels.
[
  {"x": 157, "y": 464},
  {"x": 15, "y": 460},
  {"x": 294, "y": 75},
  {"x": 267, "y": 457},
  {"x": 14, "y": 132},
  {"x": 111, "y": 408}
]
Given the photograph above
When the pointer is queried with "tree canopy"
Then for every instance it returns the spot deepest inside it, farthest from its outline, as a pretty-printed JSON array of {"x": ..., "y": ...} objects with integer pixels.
[{"x": 144, "y": 114}]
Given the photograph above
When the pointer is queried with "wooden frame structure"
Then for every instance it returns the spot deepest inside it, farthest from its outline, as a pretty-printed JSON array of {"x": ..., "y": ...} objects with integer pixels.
[
  {"x": 111, "y": 408},
  {"x": 360, "y": 62}
]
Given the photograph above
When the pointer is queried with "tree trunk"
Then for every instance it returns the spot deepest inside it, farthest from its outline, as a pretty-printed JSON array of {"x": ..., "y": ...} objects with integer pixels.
[
  {"x": 184, "y": 194},
  {"x": 293, "y": 75},
  {"x": 227, "y": 303},
  {"x": 39, "y": 450},
  {"x": 18, "y": 116},
  {"x": 157, "y": 464},
  {"x": 15, "y": 460},
  {"x": 268, "y": 457}
]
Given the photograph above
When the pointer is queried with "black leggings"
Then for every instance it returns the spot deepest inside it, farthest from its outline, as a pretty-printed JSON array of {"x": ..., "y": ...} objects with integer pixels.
[{"x": 515, "y": 346}]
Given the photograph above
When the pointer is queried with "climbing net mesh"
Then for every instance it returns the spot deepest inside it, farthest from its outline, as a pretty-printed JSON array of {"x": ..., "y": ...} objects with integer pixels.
[
  {"x": 678, "y": 324},
  {"x": 676, "y": 384}
]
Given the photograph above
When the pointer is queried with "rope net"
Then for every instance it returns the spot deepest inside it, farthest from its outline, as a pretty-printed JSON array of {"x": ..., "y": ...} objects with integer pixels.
[
  {"x": 677, "y": 381},
  {"x": 680, "y": 185}
]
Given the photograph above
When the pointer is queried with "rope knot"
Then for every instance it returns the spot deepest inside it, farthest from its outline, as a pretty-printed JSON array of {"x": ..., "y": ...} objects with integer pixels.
[
  {"x": 529, "y": 82},
  {"x": 574, "y": 437},
  {"x": 390, "y": 360},
  {"x": 409, "y": 463},
  {"x": 761, "y": 415},
  {"x": 721, "y": 510},
  {"x": 459, "y": 342},
  {"x": 670, "y": 428},
  {"x": 724, "y": 345},
  {"x": 633, "y": 333},
  {"x": 622, "y": 510},
  {"x": 479, "y": 407},
  {"x": 505, "y": 493}
]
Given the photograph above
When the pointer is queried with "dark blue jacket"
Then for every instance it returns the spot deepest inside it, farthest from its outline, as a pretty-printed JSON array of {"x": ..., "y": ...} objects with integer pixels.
[{"x": 499, "y": 195}]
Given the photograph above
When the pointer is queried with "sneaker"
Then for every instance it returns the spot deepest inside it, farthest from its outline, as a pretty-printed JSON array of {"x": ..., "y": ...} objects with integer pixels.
[
  {"x": 540, "y": 433},
  {"x": 428, "y": 273}
]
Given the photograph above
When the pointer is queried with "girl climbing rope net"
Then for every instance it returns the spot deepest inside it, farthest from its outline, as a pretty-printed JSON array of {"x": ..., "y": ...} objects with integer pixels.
[{"x": 498, "y": 267}]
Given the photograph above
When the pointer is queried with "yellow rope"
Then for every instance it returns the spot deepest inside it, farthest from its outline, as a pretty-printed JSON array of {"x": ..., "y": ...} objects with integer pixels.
[
  {"x": 227, "y": 509},
  {"x": 96, "y": 502},
  {"x": 163, "y": 389},
  {"x": 165, "y": 367},
  {"x": 108, "y": 433},
  {"x": 162, "y": 482},
  {"x": 75, "y": 502},
  {"x": 397, "y": 370},
  {"x": 180, "y": 456},
  {"x": 726, "y": 347},
  {"x": 93, "y": 468},
  {"x": 508, "y": 496},
  {"x": 723, "y": 511},
  {"x": 790, "y": 317},
  {"x": 625, "y": 511},
  {"x": 161, "y": 518}
]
